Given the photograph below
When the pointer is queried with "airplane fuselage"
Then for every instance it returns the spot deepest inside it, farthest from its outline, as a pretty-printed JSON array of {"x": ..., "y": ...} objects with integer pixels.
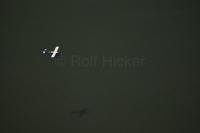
[{"x": 53, "y": 53}]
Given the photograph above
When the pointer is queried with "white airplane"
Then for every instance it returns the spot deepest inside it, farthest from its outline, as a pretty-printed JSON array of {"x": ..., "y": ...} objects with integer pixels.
[{"x": 52, "y": 54}]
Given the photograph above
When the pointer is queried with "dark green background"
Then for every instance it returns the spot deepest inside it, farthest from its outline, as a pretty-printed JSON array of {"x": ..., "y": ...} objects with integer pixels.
[{"x": 37, "y": 96}]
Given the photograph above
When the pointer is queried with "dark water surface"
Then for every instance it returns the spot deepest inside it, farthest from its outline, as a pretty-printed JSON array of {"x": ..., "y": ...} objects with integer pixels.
[{"x": 161, "y": 95}]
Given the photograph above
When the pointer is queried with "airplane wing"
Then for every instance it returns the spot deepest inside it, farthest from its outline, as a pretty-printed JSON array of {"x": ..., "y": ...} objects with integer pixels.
[{"x": 55, "y": 52}]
